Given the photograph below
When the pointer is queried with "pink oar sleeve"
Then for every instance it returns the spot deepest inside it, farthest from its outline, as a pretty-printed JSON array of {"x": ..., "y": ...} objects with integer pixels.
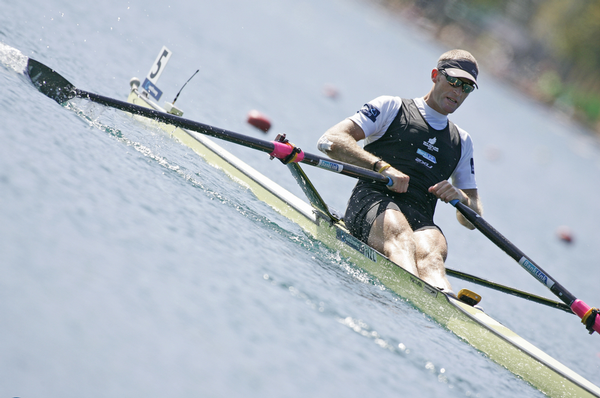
[
  {"x": 283, "y": 150},
  {"x": 582, "y": 310}
]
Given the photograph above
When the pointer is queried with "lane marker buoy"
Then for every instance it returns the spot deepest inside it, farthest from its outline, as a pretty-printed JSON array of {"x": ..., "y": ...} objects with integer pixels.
[
  {"x": 565, "y": 234},
  {"x": 259, "y": 120}
]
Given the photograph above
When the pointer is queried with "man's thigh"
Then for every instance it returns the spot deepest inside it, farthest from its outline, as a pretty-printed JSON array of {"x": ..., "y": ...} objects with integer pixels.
[{"x": 389, "y": 226}]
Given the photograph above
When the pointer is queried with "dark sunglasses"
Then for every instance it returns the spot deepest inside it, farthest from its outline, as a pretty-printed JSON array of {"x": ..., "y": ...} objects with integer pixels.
[{"x": 456, "y": 82}]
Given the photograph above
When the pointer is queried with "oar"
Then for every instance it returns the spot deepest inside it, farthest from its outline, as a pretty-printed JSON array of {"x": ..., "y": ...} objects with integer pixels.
[
  {"x": 53, "y": 85},
  {"x": 588, "y": 315},
  {"x": 509, "y": 290}
]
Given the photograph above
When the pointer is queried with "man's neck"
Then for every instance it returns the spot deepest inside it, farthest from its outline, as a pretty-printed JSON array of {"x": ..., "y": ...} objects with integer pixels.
[{"x": 433, "y": 105}]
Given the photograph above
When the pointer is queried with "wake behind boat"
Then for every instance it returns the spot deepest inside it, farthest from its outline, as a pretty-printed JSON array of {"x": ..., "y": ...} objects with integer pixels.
[{"x": 467, "y": 322}]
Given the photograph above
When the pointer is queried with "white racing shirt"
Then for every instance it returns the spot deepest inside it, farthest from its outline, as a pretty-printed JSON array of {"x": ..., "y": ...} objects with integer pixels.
[{"x": 385, "y": 110}]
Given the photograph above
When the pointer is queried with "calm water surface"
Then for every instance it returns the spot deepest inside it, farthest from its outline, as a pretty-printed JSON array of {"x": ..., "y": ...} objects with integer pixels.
[{"x": 132, "y": 268}]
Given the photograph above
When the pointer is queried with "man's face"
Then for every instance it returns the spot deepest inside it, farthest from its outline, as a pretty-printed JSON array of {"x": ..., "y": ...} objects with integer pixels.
[{"x": 446, "y": 97}]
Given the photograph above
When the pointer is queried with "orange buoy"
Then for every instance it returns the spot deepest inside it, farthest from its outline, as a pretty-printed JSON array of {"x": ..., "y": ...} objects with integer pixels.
[
  {"x": 258, "y": 120},
  {"x": 565, "y": 234},
  {"x": 330, "y": 91}
]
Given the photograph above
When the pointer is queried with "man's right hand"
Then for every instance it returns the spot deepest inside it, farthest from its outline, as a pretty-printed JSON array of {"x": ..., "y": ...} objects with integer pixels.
[{"x": 399, "y": 179}]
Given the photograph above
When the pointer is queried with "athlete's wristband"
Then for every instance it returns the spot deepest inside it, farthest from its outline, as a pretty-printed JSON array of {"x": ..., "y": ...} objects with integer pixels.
[
  {"x": 383, "y": 168},
  {"x": 375, "y": 168},
  {"x": 380, "y": 166}
]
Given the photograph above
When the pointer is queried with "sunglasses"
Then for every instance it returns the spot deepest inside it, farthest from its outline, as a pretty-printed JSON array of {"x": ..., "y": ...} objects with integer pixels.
[{"x": 456, "y": 82}]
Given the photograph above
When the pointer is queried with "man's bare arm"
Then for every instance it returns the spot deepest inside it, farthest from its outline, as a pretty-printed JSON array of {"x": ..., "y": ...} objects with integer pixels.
[
  {"x": 474, "y": 203},
  {"x": 340, "y": 142}
]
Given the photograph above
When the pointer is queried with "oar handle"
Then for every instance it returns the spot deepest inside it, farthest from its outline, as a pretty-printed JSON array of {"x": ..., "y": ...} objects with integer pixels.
[{"x": 584, "y": 311}]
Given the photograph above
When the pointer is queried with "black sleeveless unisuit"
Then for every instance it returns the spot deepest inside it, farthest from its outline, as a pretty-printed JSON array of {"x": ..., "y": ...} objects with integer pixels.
[{"x": 413, "y": 147}]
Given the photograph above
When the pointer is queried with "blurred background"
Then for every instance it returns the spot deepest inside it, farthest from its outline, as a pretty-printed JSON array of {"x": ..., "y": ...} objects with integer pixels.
[{"x": 548, "y": 49}]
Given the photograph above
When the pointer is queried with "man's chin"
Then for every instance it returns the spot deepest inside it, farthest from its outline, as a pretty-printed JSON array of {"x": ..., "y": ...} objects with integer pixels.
[{"x": 451, "y": 107}]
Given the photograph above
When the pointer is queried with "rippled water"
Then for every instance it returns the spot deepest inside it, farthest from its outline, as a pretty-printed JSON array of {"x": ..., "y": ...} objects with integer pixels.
[{"x": 131, "y": 267}]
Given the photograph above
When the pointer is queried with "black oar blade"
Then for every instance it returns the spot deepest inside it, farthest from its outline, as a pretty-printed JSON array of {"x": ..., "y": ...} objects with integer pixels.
[{"x": 49, "y": 82}]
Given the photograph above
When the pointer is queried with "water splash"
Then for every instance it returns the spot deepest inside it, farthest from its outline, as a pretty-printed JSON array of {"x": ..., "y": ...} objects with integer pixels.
[
  {"x": 101, "y": 118},
  {"x": 13, "y": 58}
]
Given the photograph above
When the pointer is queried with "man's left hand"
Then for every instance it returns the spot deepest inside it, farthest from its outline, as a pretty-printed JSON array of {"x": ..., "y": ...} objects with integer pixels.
[{"x": 448, "y": 192}]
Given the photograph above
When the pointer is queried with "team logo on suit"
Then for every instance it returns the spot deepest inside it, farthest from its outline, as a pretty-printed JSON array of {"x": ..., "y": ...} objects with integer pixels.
[{"x": 370, "y": 111}]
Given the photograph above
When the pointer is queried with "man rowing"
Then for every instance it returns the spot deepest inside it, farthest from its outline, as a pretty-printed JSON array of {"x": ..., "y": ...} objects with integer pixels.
[{"x": 412, "y": 142}]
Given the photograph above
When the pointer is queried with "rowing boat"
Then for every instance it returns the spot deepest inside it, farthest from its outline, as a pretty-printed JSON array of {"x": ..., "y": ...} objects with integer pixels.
[{"x": 470, "y": 324}]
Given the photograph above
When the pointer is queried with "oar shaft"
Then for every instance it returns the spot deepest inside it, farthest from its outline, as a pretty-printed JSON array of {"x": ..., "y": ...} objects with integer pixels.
[
  {"x": 348, "y": 169},
  {"x": 509, "y": 290},
  {"x": 497, "y": 238},
  {"x": 250, "y": 142}
]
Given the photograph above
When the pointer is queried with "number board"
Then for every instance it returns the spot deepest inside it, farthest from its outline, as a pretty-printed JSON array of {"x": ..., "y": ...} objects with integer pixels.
[
  {"x": 157, "y": 69},
  {"x": 159, "y": 65}
]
